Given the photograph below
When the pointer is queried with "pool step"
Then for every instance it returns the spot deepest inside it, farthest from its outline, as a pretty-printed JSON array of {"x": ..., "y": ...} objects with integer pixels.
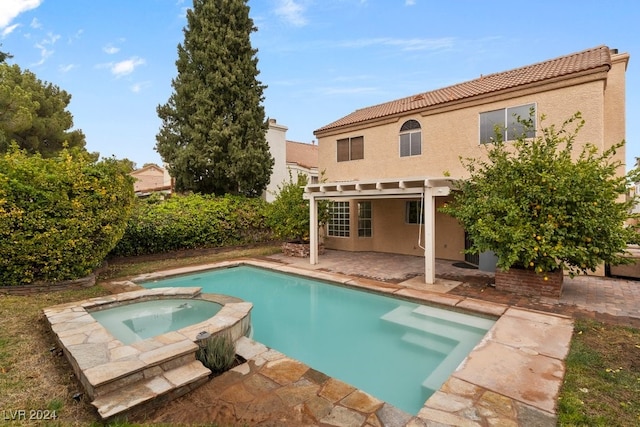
[
  {"x": 430, "y": 341},
  {"x": 152, "y": 392},
  {"x": 438, "y": 322},
  {"x": 447, "y": 332}
]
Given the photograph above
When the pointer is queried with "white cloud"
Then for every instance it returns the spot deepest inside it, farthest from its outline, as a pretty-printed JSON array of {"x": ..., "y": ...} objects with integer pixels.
[
  {"x": 138, "y": 87},
  {"x": 346, "y": 90},
  {"x": 111, "y": 49},
  {"x": 66, "y": 68},
  {"x": 291, "y": 12},
  {"x": 35, "y": 23},
  {"x": 125, "y": 67},
  {"x": 8, "y": 30},
  {"x": 410, "y": 2},
  {"x": 10, "y": 9},
  {"x": 45, "y": 52},
  {"x": 403, "y": 44}
]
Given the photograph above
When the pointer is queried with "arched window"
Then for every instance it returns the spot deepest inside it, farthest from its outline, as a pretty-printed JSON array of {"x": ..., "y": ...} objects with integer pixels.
[{"x": 410, "y": 139}]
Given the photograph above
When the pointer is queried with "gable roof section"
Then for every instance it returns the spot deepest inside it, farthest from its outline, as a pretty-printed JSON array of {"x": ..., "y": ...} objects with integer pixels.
[
  {"x": 147, "y": 168},
  {"x": 305, "y": 155},
  {"x": 590, "y": 59}
]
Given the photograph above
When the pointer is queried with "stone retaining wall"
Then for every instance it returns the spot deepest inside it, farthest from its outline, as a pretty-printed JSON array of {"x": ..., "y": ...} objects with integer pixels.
[
  {"x": 85, "y": 282},
  {"x": 299, "y": 250}
]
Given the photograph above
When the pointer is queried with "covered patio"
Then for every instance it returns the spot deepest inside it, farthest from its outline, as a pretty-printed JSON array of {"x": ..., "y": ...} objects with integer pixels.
[{"x": 424, "y": 188}]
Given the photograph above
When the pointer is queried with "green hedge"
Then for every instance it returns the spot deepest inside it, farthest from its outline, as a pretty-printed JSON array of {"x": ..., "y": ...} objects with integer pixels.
[
  {"x": 59, "y": 217},
  {"x": 193, "y": 221}
]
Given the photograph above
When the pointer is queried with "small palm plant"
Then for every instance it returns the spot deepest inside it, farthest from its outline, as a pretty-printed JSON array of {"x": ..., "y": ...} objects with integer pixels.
[{"x": 217, "y": 353}]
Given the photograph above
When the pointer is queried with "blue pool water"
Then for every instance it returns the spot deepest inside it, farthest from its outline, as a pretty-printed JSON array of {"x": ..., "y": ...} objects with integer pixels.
[
  {"x": 138, "y": 321},
  {"x": 395, "y": 350}
]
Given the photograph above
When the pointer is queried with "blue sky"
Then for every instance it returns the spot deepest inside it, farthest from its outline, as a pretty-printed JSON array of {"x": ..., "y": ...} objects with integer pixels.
[{"x": 321, "y": 59}]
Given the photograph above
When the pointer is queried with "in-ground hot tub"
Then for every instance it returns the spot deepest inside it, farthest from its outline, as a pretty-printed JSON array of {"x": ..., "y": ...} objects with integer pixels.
[
  {"x": 141, "y": 320},
  {"x": 150, "y": 366}
]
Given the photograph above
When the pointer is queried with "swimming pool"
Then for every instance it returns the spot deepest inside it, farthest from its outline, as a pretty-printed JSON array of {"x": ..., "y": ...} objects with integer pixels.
[{"x": 395, "y": 350}]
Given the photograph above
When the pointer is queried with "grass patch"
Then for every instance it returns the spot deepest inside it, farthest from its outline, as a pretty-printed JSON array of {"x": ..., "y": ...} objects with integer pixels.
[
  {"x": 32, "y": 376},
  {"x": 602, "y": 381},
  {"x": 132, "y": 266}
]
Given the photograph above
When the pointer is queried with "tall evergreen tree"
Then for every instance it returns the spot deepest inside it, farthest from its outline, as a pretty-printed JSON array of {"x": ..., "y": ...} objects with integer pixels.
[
  {"x": 213, "y": 134},
  {"x": 34, "y": 115}
]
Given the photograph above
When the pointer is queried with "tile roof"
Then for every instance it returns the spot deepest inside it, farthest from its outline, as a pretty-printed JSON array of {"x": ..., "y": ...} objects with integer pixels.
[
  {"x": 305, "y": 155},
  {"x": 589, "y": 59}
]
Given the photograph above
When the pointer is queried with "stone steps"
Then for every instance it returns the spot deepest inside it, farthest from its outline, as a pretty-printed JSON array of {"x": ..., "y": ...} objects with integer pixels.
[{"x": 152, "y": 391}]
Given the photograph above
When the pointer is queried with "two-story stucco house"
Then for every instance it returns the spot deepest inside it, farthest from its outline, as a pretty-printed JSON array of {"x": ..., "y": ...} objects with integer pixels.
[{"x": 388, "y": 167}]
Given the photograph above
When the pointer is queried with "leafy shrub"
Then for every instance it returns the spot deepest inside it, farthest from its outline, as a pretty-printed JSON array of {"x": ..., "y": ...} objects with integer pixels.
[
  {"x": 193, "y": 221},
  {"x": 539, "y": 205},
  {"x": 288, "y": 214},
  {"x": 59, "y": 216},
  {"x": 217, "y": 353}
]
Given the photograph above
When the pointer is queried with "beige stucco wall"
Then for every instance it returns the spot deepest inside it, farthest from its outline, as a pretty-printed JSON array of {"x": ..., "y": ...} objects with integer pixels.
[
  {"x": 392, "y": 234},
  {"x": 452, "y": 132},
  {"x": 276, "y": 138},
  {"x": 449, "y": 135}
]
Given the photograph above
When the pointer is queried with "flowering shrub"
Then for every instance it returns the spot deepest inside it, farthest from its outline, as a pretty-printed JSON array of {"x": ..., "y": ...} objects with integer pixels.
[{"x": 539, "y": 205}]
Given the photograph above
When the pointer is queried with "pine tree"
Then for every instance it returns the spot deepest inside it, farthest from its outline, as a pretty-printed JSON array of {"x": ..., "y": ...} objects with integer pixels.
[
  {"x": 213, "y": 134},
  {"x": 34, "y": 115}
]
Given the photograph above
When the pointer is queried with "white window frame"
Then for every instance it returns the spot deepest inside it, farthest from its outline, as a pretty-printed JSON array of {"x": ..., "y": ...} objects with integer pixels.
[{"x": 339, "y": 220}]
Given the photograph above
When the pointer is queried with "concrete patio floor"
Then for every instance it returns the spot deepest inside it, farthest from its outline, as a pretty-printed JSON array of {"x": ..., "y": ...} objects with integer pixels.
[{"x": 512, "y": 377}]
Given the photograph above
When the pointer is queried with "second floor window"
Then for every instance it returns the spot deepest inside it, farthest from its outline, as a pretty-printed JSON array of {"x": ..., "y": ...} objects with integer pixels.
[
  {"x": 350, "y": 149},
  {"x": 410, "y": 139},
  {"x": 505, "y": 121}
]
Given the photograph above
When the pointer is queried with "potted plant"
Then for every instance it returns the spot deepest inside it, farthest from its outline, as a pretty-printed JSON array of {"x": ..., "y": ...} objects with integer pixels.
[
  {"x": 288, "y": 217},
  {"x": 544, "y": 208}
]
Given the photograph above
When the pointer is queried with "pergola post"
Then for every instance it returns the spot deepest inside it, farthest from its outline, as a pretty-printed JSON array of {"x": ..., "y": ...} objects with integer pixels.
[
  {"x": 313, "y": 231},
  {"x": 429, "y": 221}
]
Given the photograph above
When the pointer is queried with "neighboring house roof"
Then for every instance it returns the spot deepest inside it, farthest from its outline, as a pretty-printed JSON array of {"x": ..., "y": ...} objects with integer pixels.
[
  {"x": 149, "y": 167},
  {"x": 151, "y": 178},
  {"x": 595, "y": 59},
  {"x": 305, "y": 155}
]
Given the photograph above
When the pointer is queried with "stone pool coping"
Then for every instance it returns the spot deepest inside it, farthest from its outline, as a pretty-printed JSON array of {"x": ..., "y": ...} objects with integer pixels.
[
  {"x": 512, "y": 377},
  {"x": 103, "y": 364}
]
